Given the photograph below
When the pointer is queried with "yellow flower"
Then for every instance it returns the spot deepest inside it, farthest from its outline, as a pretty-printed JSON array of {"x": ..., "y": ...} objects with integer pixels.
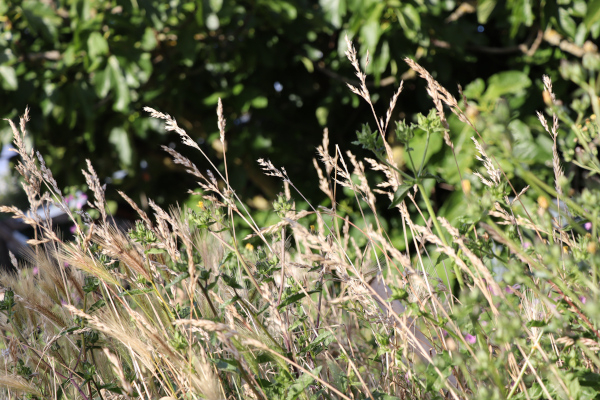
[
  {"x": 591, "y": 248},
  {"x": 200, "y": 205},
  {"x": 249, "y": 247},
  {"x": 543, "y": 202},
  {"x": 466, "y": 186}
]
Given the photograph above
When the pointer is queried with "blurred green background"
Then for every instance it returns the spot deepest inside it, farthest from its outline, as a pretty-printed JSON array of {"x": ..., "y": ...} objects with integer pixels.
[{"x": 86, "y": 68}]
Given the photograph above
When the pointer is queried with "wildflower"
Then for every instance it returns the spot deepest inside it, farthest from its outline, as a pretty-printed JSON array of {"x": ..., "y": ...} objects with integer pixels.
[
  {"x": 470, "y": 338},
  {"x": 588, "y": 226},
  {"x": 81, "y": 201},
  {"x": 200, "y": 205},
  {"x": 543, "y": 202},
  {"x": 513, "y": 288},
  {"x": 582, "y": 299},
  {"x": 591, "y": 248},
  {"x": 466, "y": 186},
  {"x": 249, "y": 247}
]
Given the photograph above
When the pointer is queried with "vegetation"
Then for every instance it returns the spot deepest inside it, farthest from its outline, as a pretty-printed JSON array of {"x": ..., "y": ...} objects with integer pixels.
[
  {"x": 89, "y": 66},
  {"x": 497, "y": 302}
]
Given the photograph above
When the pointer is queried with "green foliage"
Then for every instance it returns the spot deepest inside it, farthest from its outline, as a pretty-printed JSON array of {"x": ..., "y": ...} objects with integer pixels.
[
  {"x": 488, "y": 250},
  {"x": 90, "y": 67}
]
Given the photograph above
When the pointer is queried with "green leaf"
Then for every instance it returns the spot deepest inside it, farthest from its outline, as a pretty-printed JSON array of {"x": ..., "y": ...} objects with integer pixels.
[
  {"x": 101, "y": 82},
  {"x": 324, "y": 338},
  {"x": 484, "y": 10},
  {"x": 154, "y": 250},
  {"x": 334, "y": 11},
  {"x": 9, "y": 78},
  {"x": 97, "y": 45},
  {"x": 508, "y": 82},
  {"x": 302, "y": 383},
  {"x": 230, "y": 281},
  {"x": 215, "y": 5},
  {"x": 225, "y": 364},
  {"x": 398, "y": 294},
  {"x": 260, "y": 102},
  {"x": 119, "y": 138},
  {"x": 475, "y": 89},
  {"x": 370, "y": 140},
  {"x": 410, "y": 20},
  {"x": 178, "y": 279},
  {"x": 97, "y": 305},
  {"x": 294, "y": 298},
  {"x": 566, "y": 22},
  {"x": 119, "y": 85},
  {"x": 148, "y": 40},
  {"x": 536, "y": 324},
  {"x": 135, "y": 292},
  {"x": 593, "y": 13},
  {"x": 400, "y": 194}
]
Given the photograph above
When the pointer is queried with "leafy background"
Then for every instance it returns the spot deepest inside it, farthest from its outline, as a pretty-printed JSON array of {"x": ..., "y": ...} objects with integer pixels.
[{"x": 88, "y": 67}]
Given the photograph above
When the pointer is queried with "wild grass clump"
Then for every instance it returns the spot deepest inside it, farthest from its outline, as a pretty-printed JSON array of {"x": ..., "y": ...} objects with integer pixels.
[{"x": 499, "y": 303}]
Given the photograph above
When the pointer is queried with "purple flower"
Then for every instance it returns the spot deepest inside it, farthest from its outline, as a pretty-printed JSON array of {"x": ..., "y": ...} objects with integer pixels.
[
  {"x": 513, "y": 288},
  {"x": 35, "y": 270},
  {"x": 582, "y": 299},
  {"x": 73, "y": 229},
  {"x": 81, "y": 201},
  {"x": 470, "y": 338},
  {"x": 588, "y": 226}
]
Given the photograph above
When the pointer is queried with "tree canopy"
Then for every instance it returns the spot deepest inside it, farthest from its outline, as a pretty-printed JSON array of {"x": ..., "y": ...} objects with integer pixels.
[{"x": 87, "y": 67}]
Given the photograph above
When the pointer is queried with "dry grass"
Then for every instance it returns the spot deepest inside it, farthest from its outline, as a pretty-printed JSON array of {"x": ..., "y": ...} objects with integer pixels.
[{"x": 179, "y": 308}]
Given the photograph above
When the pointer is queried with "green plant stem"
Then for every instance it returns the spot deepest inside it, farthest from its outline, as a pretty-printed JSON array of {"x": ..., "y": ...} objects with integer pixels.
[
  {"x": 424, "y": 154},
  {"x": 439, "y": 231},
  {"x": 525, "y": 365}
]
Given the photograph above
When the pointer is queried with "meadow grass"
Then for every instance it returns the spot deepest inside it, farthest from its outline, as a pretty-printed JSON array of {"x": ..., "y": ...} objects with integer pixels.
[{"x": 320, "y": 305}]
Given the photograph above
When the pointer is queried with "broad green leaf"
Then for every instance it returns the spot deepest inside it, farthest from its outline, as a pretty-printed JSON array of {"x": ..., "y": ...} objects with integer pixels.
[
  {"x": 97, "y": 45},
  {"x": 294, "y": 298},
  {"x": 508, "y": 82},
  {"x": 215, "y": 5},
  {"x": 260, "y": 102},
  {"x": 419, "y": 144},
  {"x": 566, "y": 22},
  {"x": 410, "y": 20},
  {"x": 119, "y": 138},
  {"x": 42, "y": 19},
  {"x": 400, "y": 194},
  {"x": 484, "y": 10},
  {"x": 302, "y": 383},
  {"x": 101, "y": 82},
  {"x": 119, "y": 85},
  {"x": 148, "y": 40},
  {"x": 475, "y": 89},
  {"x": 334, "y": 11},
  {"x": 593, "y": 13},
  {"x": 9, "y": 78}
]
